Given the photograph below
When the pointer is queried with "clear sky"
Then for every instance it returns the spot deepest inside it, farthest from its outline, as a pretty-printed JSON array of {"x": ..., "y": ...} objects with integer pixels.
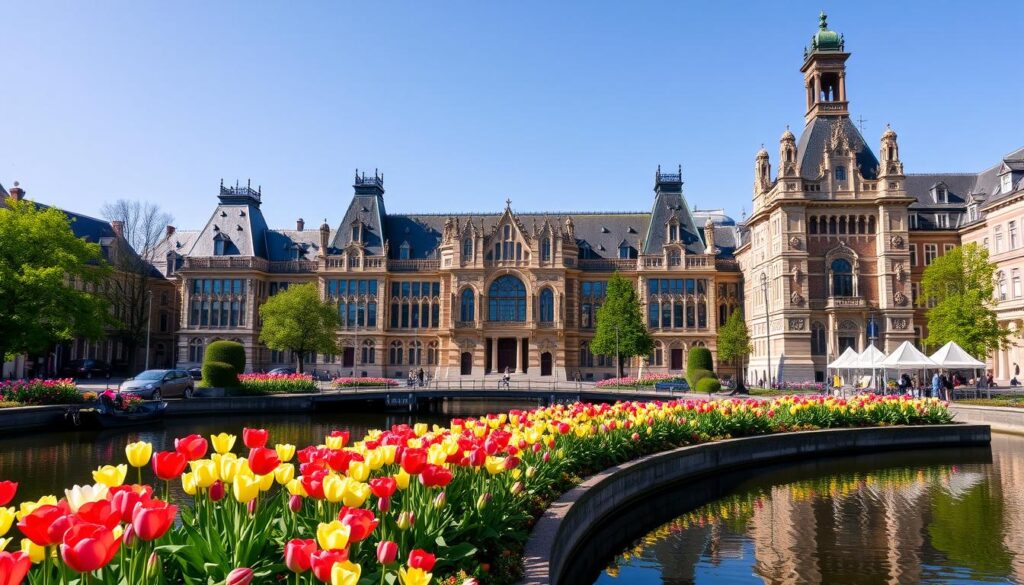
[{"x": 557, "y": 105}]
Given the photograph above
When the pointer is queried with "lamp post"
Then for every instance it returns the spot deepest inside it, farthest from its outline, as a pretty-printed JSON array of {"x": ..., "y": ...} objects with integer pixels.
[
  {"x": 767, "y": 325},
  {"x": 149, "y": 311},
  {"x": 618, "y": 364}
]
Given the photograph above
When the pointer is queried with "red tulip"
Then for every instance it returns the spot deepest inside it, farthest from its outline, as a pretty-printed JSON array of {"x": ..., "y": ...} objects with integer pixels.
[
  {"x": 360, "y": 520},
  {"x": 168, "y": 464},
  {"x": 7, "y": 491},
  {"x": 297, "y": 554},
  {"x": 240, "y": 576},
  {"x": 435, "y": 475},
  {"x": 36, "y": 525},
  {"x": 496, "y": 442},
  {"x": 314, "y": 484},
  {"x": 421, "y": 559},
  {"x": 88, "y": 547},
  {"x": 255, "y": 437},
  {"x": 217, "y": 491},
  {"x": 129, "y": 539},
  {"x": 295, "y": 503},
  {"x": 322, "y": 561},
  {"x": 153, "y": 519},
  {"x": 263, "y": 461},
  {"x": 477, "y": 457},
  {"x": 387, "y": 552},
  {"x": 125, "y": 498},
  {"x": 339, "y": 459},
  {"x": 192, "y": 447},
  {"x": 383, "y": 487},
  {"x": 13, "y": 567},
  {"x": 101, "y": 512},
  {"x": 511, "y": 462},
  {"x": 414, "y": 460},
  {"x": 60, "y": 526},
  {"x": 344, "y": 436}
]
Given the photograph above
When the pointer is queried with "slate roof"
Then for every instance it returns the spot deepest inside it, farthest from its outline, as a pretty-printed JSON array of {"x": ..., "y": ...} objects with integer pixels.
[
  {"x": 959, "y": 187},
  {"x": 369, "y": 210},
  {"x": 281, "y": 243},
  {"x": 814, "y": 139},
  {"x": 241, "y": 225}
]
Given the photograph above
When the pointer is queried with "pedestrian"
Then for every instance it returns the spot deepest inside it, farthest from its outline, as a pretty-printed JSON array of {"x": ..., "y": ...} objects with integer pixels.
[
  {"x": 988, "y": 380},
  {"x": 936, "y": 385},
  {"x": 947, "y": 387},
  {"x": 419, "y": 376}
]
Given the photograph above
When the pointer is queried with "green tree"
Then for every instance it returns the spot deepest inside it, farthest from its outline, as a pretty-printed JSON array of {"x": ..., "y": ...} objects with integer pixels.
[
  {"x": 734, "y": 342},
  {"x": 961, "y": 283},
  {"x": 49, "y": 280},
  {"x": 299, "y": 321},
  {"x": 620, "y": 324}
]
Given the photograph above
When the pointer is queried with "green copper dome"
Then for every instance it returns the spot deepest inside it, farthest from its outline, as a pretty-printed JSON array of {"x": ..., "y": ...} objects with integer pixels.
[{"x": 824, "y": 39}]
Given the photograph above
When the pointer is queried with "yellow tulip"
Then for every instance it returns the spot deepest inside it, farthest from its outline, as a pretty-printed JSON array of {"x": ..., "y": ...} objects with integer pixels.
[
  {"x": 138, "y": 453},
  {"x": 266, "y": 481},
  {"x": 374, "y": 459},
  {"x": 413, "y": 576},
  {"x": 245, "y": 488},
  {"x": 437, "y": 454},
  {"x": 334, "y": 487},
  {"x": 188, "y": 483},
  {"x": 457, "y": 429},
  {"x": 110, "y": 475},
  {"x": 402, "y": 477},
  {"x": 229, "y": 466},
  {"x": 333, "y": 536},
  {"x": 284, "y": 473},
  {"x": 35, "y": 553},
  {"x": 345, "y": 573},
  {"x": 359, "y": 470},
  {"x": 356, "y": 494},
  {"x": 494, "y": 465},
  {"x": 205, "y": 472},
  {"x": 223, "y": 442},
  {"x": 296, "y": 488},
  {"x": 6, "y": 520},
  {"x": 334, "y": 442},
  {"x": 420, "y": 429},
  {"x": 285, "y": 451},
  {"x": 389, "y": 452},
  {"x": 26, "y": 507},
  {"x": 414, "y": 443}
]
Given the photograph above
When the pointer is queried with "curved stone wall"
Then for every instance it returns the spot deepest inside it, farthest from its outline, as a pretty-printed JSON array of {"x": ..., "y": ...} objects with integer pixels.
[{"x": 565, "y": 526}]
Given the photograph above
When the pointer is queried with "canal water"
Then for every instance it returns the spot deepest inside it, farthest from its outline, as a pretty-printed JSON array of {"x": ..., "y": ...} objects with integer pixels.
[
  {"x": 939, "y": 516},
  {"x": 47, "y": 463}
]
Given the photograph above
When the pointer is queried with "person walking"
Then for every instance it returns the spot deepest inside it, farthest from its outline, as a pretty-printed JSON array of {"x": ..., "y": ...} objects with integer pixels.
[{"x": 936, "y": 385}]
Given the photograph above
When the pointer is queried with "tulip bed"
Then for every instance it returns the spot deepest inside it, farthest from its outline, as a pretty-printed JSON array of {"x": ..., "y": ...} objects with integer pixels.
[
  {"x": 632, "y": 382},
  {"x": 254, "y": 384},
  {"x": 401, "y": 505},
  {"x": 39, "y": 391},
  {"x": 363, "y": 382}
]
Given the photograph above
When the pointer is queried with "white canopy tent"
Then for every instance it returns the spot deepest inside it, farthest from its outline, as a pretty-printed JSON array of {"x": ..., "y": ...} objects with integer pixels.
[
  {"x": 871, "y": 359},
  {"x": 952, "y": 356},
  {"x": 844, "y": 361},
  {"x": 907, "y": 357}
]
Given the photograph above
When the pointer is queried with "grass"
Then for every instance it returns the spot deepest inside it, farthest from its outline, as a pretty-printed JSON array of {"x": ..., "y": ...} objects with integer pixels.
[
  {"x": 771, "y": 392},
  {"x": 1016, "y": 401}
]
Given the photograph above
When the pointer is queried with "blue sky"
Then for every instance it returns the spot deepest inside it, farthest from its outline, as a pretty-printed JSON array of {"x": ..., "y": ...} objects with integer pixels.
[{"x": 559, "y": 106}]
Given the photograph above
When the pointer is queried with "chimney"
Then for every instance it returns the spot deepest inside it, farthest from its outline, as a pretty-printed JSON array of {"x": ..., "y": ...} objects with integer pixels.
[
  {"x": 118, "y": 227},
  {"x": 300, "y": 225},
  {"x": 325, "y": 235},
  {"x": 17, "y": 192},
  {"x": 170, "y": 230}
]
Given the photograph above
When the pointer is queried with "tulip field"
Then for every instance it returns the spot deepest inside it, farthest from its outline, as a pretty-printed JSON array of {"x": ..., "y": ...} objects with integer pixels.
[{"x": 410, "y": 505}]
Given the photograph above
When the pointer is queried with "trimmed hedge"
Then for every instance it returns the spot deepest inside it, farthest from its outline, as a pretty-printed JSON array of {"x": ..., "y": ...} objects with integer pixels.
[
  {"x": 699, "y": 358},
  {"x": 709, "y": 385},
  {"x": 228, "y": 352},
  {"x": 696, "y": 376},
  {"x": 219, "y": 375}
]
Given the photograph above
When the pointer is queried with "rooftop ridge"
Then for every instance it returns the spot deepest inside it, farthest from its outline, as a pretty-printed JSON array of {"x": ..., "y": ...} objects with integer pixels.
[
  {"x": 952, "y": 174},
  {"x": 498, "y": 213}
]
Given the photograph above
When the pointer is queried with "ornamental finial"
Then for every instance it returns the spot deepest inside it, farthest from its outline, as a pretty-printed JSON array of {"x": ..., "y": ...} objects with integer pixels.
[{"x": 823, "y": 20}]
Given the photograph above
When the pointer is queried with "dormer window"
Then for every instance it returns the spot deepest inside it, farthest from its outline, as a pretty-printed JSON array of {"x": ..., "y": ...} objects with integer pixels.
[
  {"x": 625, "y": 251},
  {"x": 508, "y": 231},
  {"x": 171, "y": 264},
  {"x": 218, "y": 247},
  {"x": 942, "y": 220},
  {"x": 673, "y": 232},
  {"x": 972, "y": 213},
  {"x": 545, "y": 250},
  {"x": 586, "y": 251},
  {"x": 357, "y": 235},
  {"x": 467, "y": 248},
  {"x": 840, "y": 173},
  {"x": 939, "y": 194},
  {"x": 912, "y": 219},
  {"x": 1005, "y": 182},
  {"x": 404, "y": 251}
]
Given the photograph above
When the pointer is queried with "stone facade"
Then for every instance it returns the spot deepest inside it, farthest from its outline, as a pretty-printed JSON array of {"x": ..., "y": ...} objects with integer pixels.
[{"x": 460, "y": 295}]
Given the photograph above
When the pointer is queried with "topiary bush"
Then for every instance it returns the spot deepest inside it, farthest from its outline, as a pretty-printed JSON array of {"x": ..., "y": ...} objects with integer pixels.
[
  {"x": 699, "y": 358},
  {"x": 696, "y": 376},
  {"x": 228, "y": 352},
  {"x": 709, "y": 385},
  {"x": 219, "y": 375}
]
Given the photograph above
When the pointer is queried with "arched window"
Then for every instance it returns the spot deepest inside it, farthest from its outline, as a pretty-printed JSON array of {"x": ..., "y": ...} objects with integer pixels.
[
  {"x": 812, "y": 225},
  {"x": 432, "y": 353},
  {"x": 467, "y": 305},
  {"x": 467, "y": 248},
  {"x": 506, "y": 299},
  {"x": 657, "y": 354},
  {"x": 395, "y": 353},
  {"x": 842, "y": 278},
  {"x": 415, "y": 353},
  {"x": 586, "y": 358},
  {"x": 840, "y": 173},
  {"x": 818, "y": 345},
  {"x": 545, "y": 250},
  {"x": 547, "y": 306},
  {"x": 369, "y": 352},
  {"x": 405, "y": 251},
  {"x": 195, "y": 350}
]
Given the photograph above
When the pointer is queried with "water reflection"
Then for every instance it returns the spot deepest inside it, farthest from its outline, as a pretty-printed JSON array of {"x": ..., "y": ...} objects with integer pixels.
[
  {"x": 47, "y": 463},
  {"x": 954, "y": 516}
]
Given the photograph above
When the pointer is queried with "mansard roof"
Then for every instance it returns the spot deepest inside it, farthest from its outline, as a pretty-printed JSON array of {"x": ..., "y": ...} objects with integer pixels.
[
  {"x": 815, "y": 139},
  {"x": 368, "y": 210},
  {"x": 668, "y": 206},
  {"x": 241, "y": 223}
]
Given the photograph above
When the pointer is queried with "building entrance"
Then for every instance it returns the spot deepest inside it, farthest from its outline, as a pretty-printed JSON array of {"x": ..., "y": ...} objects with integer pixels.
[{"x": 507, "y": 354}]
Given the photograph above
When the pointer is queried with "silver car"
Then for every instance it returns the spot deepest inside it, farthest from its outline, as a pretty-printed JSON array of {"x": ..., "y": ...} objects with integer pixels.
[{"x": 159, "y": 384}]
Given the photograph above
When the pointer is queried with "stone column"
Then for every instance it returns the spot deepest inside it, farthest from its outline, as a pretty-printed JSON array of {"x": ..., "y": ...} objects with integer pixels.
[
  {"x": 519, "y": 354},
  {"x": 494, "y": 354},
  {"x": 842, "y": 87},
  {"x": 817, "y": 88}
]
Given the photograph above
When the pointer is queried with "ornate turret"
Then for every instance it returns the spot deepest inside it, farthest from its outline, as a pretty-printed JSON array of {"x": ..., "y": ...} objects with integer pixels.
[
  {"x": 325, "y": 237},
  {"x": 762, "y": 172},
  {"x": 824, "y": 72},
  {"x": 709, "y": 234},
  {"x": 787, "y": 154},
  {"x": 889, "y": 155}
]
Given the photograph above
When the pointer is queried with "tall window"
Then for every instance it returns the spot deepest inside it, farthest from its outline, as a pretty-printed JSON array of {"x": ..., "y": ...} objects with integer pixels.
[
  {"x": 415, "y": 304},
  {"x": 842, "y": 278},
  {"x": 547, "y": 306},
  {"x": 840, "y": 173},
  {"x": 506, "y": 299},
  {"x": 586, "y": 358},
  {"x": 999, "y": 239},
  {"x": 930, "y": 252},
  {"x": 657, "y": 356},
  {"x": 356, "y": 301},
  {"x": 404, "y": 251},
  {"x": 545, "y": 250},
  {"x": 1015, "y": 275},
  {"x": 1011, "y": 229},
  {"x": 369, "y": 352},
  {"x": 818, "y": 345},
  {"x": 913, "y": 254},
  {"x": 195, "y": 350},
  {"x": 395, "y": 353},
  {"x": 467, "y": 249},
  {"x": 467, "y": 305},
  {"x": 1001, "y": 279}
]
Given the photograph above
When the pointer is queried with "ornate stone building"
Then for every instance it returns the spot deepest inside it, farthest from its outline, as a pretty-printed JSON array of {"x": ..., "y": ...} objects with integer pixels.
[{"x": 458, "y": 294}]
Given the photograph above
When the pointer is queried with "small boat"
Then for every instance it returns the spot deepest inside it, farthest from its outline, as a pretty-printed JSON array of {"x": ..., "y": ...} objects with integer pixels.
[{"x": 105, "y": 414}]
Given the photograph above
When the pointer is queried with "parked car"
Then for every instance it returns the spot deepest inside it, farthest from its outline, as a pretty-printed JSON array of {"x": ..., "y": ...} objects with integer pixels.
[
  {"x": 282, "y": 371},
  {"x": 86, "y": 368},
  {"x": 158, "y": 384},
  {"x": 196, "y": 373}
]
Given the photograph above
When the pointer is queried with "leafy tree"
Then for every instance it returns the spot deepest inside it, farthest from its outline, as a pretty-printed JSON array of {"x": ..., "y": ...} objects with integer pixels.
[
  {"x": 48, "y": 280},
  {"x": 299, "y": 321},
  {"x": 734, "y": 342},
  {"x": 961, "y": 283},
  {"x": 130, "y": 285},
  {"x": 620, "y": 324}
]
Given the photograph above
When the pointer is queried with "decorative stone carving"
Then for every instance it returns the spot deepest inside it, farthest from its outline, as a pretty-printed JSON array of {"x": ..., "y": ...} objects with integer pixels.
[
  {"x": 899, "y": 298},
  {"x": 796, "y": 324},
  {"x": 570, "y": 228},
  {"x": 901, "y": 272},
  {"x": 900, "y": 324},
  {"x": 798, "y": 275},
  {"x": 847, "y": 325},
  {"x": 896, "y": 241},
  {"x": 794, "y": 243},
  {"x": 796, "y": 298}
]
